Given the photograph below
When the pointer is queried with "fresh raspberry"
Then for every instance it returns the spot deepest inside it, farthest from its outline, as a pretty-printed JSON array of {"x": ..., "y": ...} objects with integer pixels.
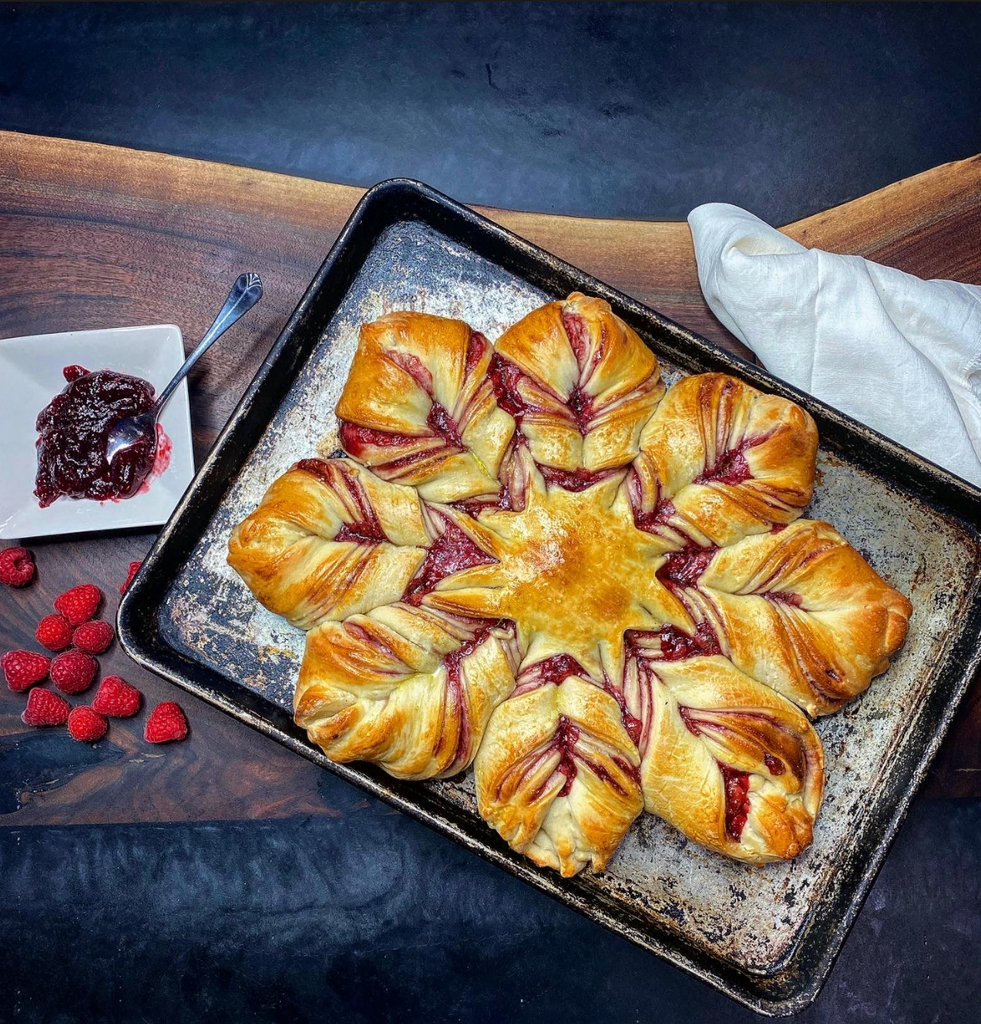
[
  {"x": 117, "y": 698},
  {"x": 23, "y": 669},
  {"x": 73, "y": 671},
  {"x": 93, "y": 637},
  {"x": 166, "y": 723},
  {"x": 45, "y": 708},
  {"x": 79, "y": 604},
  {"x": 16, "y": 566},
  {"x": 54, "y": 632},
  {"x": 134, "y": 568},
  {"x": 86, "y": 725}
]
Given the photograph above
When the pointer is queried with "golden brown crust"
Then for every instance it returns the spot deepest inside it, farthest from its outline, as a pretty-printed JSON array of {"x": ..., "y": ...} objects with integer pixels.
[
  {"x": 548, "y": 504},
  {"x": 586, "y": 382},
  {"x": 287, "y": 553},
  {"x": 701, "y": 719},
  {"x": 419, "y": 408},
  {"x": 552, "y": 575},
  {"x": 403, "y": 688},
  {"x": 803, "y": 612},
  {"x": 557, "y": 774},
  {"x": 720, "y": 460}
]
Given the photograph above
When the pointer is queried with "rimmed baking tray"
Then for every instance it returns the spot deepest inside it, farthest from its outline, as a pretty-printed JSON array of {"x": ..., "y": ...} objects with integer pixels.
[{"x": 767, "y": 936}]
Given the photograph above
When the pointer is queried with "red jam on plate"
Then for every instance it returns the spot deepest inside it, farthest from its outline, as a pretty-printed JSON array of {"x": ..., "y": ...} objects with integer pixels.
[{"x": 73, "y": 431}]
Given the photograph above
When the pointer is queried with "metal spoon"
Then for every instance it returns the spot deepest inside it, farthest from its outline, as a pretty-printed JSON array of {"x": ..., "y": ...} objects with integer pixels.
[{"x": 123, "y": 434}]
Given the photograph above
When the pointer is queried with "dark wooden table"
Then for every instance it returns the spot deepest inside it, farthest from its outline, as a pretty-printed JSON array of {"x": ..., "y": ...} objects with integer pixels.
[{"x": 95, "y": 236}]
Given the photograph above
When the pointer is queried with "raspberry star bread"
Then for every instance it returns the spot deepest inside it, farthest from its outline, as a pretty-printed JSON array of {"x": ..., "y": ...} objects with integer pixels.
[{"x": 598, "y": 592}]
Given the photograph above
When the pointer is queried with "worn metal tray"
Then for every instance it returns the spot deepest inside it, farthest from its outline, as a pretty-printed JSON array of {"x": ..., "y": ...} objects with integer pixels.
[{"x": 767, "y": 936}]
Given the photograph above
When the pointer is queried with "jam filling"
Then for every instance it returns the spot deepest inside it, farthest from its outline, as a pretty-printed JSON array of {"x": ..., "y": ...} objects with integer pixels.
[
  {"x": 737, "y": 799},
  {"x": 356, "y": 439},
  {"x": 452, "y": 552},
  {"x": 557, "y": 669},
  {"x": 514, "y": 489},
  {"x": 161, "y": 460},
  {"x": 414, "y": 367},
  {"x": 366, "y": 529},
  {"x": 604, "y": 776},
  {"x": 454, "y": 681},
  {"x": 689, "y": 720},
  {"x": 318, "y": 467},
  {"x": 735, "y": 783},
  {"x": 566, "y": 737},
  {"x": 783, "y": 597},
  {"x": 684, "y": 568},
  {"x": 677, "y": 646},
  {"x": 631, "y": 722},
  {"x": 372, "y": 639},
  {"x": 731, "y": 467},
  {"x": 358, "y": 442},
  {"x": 455, "y": 690},
  {"x": 441, "y": 423},
  {"x": 439, "y": 420},
  {"x": 580, "y": 404},
  {"x": 504, "y": 377},
  {"x": 511, "y": 495},
  {"x": 73, "y": 432},
  {"x": 574, "y": 479},
  {"x": 657, "y": 516},
  {"x": 578, "y": 333},
  {"x": 476, "y": 348},
  {"x": 474, "y": 506},
  {"x": 759, "y": 730},
  {"x": 359, "y": 533}
]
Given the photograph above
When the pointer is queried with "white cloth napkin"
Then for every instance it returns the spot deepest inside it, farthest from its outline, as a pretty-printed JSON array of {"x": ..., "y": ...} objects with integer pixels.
[{"x": 898, "y": 353}]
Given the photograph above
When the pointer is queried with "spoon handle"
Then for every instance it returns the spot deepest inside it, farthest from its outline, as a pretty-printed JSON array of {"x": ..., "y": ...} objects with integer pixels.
[{"x": 245, "y": 293}]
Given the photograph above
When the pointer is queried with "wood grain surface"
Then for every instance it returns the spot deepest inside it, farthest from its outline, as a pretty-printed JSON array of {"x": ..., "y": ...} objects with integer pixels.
[{"x": 96, "y": 236}]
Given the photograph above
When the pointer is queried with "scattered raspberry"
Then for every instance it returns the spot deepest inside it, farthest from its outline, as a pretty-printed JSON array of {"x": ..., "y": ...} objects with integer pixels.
[
  {"x": 16, "y": 566},
  {"x": 73, "y": 671},
  {"x": 79, "y": 604},
  {"x": 117, "y": 698},
  {"x": 45, "y": 708},
  {"x": 86, "y": 725},
  {"x": 54, "y": 632},
  {"x": 134, "y": 568},
  {"x": 22, "y": 669},
  {"x": 93, "y": 637},
  {"x": 166, "y": 723}
]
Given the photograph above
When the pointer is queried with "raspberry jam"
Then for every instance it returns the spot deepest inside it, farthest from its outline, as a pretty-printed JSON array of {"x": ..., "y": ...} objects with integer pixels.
[
  {"x": 566, "y": 738},
  {"x": 558, "y": 668},
  {"x": 684, "y": 568},
  {"x": 452, "y": 552},
  {"x": 738, "y": 807},
  {"x": 677, "y": 645},
  {"x": 73, "y": 430}
]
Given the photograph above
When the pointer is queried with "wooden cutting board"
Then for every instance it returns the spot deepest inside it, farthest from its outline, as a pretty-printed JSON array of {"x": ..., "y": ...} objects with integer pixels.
[{"x": 97, "y": 236}]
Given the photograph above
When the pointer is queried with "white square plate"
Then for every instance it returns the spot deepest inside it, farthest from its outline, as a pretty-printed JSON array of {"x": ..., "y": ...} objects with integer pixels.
[{"x": 30, "y": 376}]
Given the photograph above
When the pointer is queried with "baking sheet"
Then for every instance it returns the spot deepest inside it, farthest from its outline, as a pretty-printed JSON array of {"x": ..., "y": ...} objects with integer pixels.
[{"x": 730, "y": 922}]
